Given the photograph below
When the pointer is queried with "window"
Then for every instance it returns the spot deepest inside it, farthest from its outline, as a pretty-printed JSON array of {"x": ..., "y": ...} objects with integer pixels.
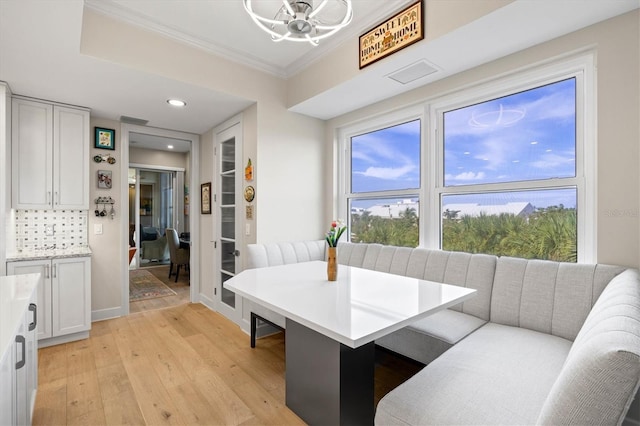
[
  {"x": 507, "y": 168},
  {"x": 512, "y": 160},
  {"x": 382, "y": 182}
]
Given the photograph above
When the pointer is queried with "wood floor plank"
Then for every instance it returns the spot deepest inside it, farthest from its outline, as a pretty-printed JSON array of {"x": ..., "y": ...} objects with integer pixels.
[
  {"x": 51, "y": 402},
  {"x": 84, "y": 401},
  {"x": 153, "y": 399},
  {"x": 118, "y": 398},
  {"x": 80, "y": 358},
  {"x": 105, "y": 350},
  {"x": 52, "y": 363},
  {"x": 178, "y": 320}
]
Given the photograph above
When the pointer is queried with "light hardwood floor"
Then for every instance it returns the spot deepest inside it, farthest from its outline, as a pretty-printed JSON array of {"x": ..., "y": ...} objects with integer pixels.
[{"x": 179, "y": 365}]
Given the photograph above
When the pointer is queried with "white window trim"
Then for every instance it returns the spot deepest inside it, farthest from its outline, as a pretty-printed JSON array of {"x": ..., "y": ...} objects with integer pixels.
[
  {"x": 345, "y": 134},
  {"x": 583, "y": 69}
]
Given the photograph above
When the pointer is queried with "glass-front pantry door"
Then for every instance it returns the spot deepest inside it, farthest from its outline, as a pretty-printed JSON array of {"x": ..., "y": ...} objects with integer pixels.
[{"x": 229, "y": 241}]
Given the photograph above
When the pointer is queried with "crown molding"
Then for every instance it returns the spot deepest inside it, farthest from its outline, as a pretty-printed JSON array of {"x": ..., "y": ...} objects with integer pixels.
[{"x": 132, "y": 17}]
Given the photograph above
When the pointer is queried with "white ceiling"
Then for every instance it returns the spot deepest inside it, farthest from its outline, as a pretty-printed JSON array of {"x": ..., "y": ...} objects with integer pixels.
[{"x": 39, "y": 53}]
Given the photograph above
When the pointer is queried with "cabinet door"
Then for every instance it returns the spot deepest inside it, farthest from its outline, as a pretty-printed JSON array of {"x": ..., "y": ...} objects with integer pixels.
[
  {"x": 31, "y": 338},
  {"x": 32, "y": 154},
  {"x": 7, "y": 388},
  {"x": 71, "y": 295},
  {"x": 70, "y": 158},
  {"x": 20, "y": 377},
  {"x": 43, "y": 293}
]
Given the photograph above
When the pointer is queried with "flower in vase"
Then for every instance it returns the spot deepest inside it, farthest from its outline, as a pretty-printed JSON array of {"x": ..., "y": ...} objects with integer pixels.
[{"x": 334, "y": 234}]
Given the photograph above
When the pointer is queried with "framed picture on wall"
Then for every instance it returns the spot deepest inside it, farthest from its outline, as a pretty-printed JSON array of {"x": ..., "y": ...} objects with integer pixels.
[
  {"x": 104, "y": 179},
  {"x": 205, "y": 198},
  {"x": 105, "y": 138}
]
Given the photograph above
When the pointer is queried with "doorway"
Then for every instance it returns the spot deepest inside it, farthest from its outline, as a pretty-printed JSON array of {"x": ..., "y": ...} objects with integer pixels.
[
  {"x": 156, "y": 201},
  {"x": 156, "y": 189}
]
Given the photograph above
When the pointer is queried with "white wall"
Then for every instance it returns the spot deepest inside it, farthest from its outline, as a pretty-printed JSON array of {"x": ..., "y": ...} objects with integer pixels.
[
  {"x": 617, "y": 47},
  {"x": 106, "y": 263},
  {"x": 291, "y": 174},
  {"x": 206, "y": 263}
]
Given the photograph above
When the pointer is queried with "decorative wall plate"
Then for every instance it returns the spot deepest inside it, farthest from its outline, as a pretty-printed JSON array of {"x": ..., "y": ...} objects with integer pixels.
[{"x": 249, "y": 194}]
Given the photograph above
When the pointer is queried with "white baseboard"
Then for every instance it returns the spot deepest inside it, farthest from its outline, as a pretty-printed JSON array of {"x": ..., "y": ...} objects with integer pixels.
[
  {"x": 208, "y": 302},
  {"x": 103, "y": 314},
  {"x": 43, "y": 343}
]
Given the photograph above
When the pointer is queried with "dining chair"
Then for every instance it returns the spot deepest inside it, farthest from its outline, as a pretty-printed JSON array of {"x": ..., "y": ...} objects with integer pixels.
[{"x": 177, "y": 255}]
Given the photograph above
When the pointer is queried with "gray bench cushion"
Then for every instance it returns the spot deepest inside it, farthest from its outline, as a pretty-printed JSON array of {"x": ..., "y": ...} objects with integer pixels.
[
  {"x": 430, "y": 337},
  {"x": 498, "y": 375}
]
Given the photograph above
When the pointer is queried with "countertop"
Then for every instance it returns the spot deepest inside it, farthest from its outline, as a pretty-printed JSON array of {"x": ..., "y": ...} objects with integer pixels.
[
  {"x": 49, "y": 254},
  {"x": 15, "y": 296}
]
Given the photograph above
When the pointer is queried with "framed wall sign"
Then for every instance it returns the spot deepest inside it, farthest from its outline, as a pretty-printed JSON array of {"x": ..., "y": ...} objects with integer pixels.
[
  {"x": 397, "y": 32},
  {"x": 105, "y": 138},
  {"x": 205, "y": 198}
]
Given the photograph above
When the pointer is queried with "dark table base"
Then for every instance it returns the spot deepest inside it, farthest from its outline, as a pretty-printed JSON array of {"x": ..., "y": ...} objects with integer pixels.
[{"x": 328, "y": 383}]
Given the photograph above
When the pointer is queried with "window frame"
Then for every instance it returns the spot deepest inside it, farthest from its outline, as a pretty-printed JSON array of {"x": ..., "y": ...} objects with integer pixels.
[
  {"x": 580, "y": 68},
  {"x": 374, "y": 124}
]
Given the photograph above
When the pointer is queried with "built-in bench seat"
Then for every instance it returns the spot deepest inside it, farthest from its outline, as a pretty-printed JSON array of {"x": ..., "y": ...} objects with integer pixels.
[{"x": 540, "y": 343}]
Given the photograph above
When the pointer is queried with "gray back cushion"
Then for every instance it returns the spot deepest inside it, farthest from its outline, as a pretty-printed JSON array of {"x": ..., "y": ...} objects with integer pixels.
[
  {"x": 462, "y": 269},
  {"x": 602, "y": 371},
  {"x": 274, "y": 254},
  {"x": 550, "y": 297}
]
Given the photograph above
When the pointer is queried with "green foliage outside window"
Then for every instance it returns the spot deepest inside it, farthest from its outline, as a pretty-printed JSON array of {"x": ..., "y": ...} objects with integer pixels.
[
  {"x": 401, "y": 232},
  {"x": 549, "y": 233}
]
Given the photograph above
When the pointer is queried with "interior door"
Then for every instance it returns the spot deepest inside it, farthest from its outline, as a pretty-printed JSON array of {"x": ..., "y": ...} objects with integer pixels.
[{"x": 229, "y": 239}]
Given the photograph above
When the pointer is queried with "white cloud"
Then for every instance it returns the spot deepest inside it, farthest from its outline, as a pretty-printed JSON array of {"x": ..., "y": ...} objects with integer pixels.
[
  {"x": 466, "y": 176},
  {"x": 387, "y": 172},
  {"x": 549, "y": 161}
]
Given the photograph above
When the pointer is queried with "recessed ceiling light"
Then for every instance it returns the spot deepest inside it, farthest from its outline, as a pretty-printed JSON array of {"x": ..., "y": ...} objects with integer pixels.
[
  {"x": 170, "y": 146},
  {"x": 176, "y": 102}
]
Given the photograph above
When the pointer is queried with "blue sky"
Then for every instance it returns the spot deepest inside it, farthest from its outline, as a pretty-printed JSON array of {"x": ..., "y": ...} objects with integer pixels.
[
  {"x": 524, "y": 136},
  {"x": 386, "y": 159}
]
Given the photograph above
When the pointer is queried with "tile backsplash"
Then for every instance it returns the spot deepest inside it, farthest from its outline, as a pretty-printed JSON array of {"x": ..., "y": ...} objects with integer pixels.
[{"x": 40, "y": 229}]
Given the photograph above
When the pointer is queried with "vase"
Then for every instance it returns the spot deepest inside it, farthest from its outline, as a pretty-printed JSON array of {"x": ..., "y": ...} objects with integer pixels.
[{"x": 332, "y": 264}]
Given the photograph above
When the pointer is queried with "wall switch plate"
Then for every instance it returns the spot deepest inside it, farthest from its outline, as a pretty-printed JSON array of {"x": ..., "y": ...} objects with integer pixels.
[
  {"x": 49, "y": 230},
  {"x": 247, "y": 229},
  {"x": 97, "y": 228}
]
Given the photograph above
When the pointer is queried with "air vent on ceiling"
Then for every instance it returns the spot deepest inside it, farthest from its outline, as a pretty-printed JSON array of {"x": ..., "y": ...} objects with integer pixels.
[
  {"x": 412, "y": 72},
  {"x": 133, "y": 120}
]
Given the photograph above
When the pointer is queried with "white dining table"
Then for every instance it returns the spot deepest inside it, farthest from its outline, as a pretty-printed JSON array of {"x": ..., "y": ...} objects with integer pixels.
[{"x": 331, "y": 327}]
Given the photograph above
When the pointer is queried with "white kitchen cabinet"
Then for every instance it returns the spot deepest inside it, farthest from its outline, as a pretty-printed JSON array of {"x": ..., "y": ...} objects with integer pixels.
[
  {"x": 50, "y": 156},
  {"x": 19, "y": 354},
  {"x": 64, "y": 312}
]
